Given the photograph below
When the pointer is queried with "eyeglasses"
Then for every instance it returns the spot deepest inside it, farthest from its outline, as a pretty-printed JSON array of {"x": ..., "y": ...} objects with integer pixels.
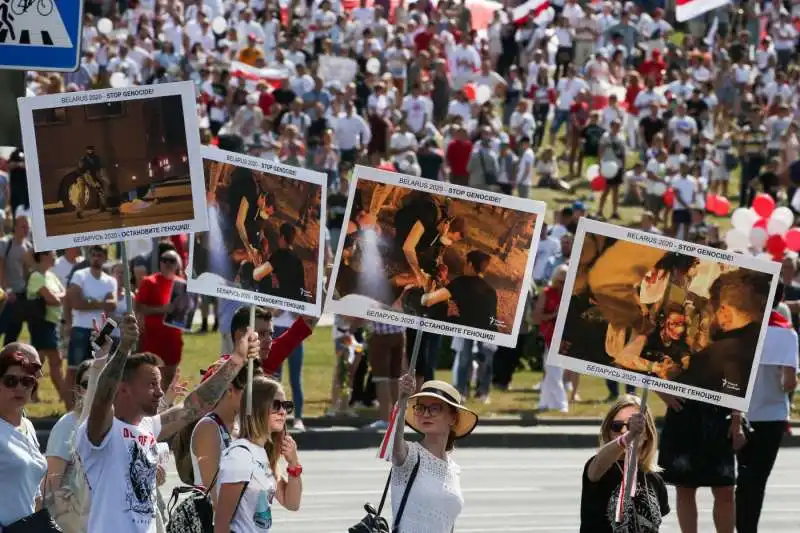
[
  {"x": 618, "y": 425},
  {"x": 433, "y": 409},
  {"x": 12, "y": 381},
  {"x": 286, "y": 405}
]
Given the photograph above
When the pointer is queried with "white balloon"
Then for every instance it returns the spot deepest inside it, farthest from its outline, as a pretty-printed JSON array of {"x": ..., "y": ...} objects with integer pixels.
[
  {"x": 608, "y": 169},
  {"x": 737, "y": 240},
  {"x": 592, "y": 172},
  {"x": 743, "y": 219},
  {"x": 374, "y": 65},
  {"x": 784, "y": 215},
  {"x": 483, "y": 94},
  {"x": 758, "y": 238},
  {"x": 777, "y": 226},
  {"x": 219, "y": 25},
  {"x": 105, "y": 26},
  {"x": 118, "y": 80}
]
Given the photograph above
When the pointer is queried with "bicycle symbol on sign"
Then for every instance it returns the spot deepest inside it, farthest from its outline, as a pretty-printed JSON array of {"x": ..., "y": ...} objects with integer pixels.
[{"x": 20, "y": 7}]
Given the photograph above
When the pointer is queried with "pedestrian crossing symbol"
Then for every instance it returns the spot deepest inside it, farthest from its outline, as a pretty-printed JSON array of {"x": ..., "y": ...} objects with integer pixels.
[{"x": 40, "y": 34}]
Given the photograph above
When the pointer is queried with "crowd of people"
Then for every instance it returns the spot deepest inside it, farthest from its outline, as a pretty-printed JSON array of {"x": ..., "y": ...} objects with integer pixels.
[{"x": 503, "y": 99}]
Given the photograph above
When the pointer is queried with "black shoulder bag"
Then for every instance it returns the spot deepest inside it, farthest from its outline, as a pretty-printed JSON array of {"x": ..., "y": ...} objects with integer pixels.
[{"x": 374, "y": 522}]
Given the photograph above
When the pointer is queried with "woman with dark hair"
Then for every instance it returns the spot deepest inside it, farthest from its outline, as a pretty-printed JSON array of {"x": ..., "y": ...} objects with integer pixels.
[
  {"x": 45, "y": 290},
  {"x": 249, "y": 480},
  {"x": 434, "y": 499},
  {"x": 22, "y": 464}
]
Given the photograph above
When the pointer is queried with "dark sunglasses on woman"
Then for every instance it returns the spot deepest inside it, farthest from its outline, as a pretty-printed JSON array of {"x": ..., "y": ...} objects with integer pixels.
[
  {"x": 286, "y": 405},
  {"x": 11, "y": 381},
  {"x": 618, "y": 425}
]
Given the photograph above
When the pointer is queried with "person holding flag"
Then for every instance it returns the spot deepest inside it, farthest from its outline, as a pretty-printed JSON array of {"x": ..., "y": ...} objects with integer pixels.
[{"x": 434, "y": 499}]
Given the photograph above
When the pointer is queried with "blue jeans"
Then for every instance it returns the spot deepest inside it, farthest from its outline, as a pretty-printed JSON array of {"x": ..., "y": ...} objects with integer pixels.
[
  {"x": 462, "y": 368},
  {"x": 295, "y": 375},
  {"x": 560, "y": 117}
]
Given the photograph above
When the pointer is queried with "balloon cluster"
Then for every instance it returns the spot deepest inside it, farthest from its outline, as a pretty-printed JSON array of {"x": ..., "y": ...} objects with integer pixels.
[
  {"x": 479, "y": 94},
  {"x": 598, "y": 174},
  {"x": 763, "y": 228}
]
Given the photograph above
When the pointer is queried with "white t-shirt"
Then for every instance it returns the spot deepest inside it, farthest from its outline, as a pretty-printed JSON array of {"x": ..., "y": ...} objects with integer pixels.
[
  {"x": 683, "y": 129},
  {"x": 244, "y": 462},
  {"x": 22, "y": 466},
  {"x": 659, "y": 170},
  {"x": 418, "y": 110},
  {"x": 93, "y": 289},
  {"x": 568, "y": 89},
  {"x": 769, "y": 402},
  {"x": 403, "y": 141},
  {"x": 684, "y": 187},
  {"x": 435, "y": 500},
  {"x": 121, "y": 473},
  {"x": 63, "y": 267},
  {"x": 525, "y": 167}
]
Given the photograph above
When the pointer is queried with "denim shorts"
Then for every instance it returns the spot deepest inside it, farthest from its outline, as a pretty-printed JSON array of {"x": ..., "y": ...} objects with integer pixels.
[
  {"x": 44, "y": 335},
  {"x": 80, "y": 346}
]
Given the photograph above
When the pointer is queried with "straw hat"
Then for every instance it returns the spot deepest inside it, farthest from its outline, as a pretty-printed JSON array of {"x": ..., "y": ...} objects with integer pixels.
[{"x": 444, "y": 392}]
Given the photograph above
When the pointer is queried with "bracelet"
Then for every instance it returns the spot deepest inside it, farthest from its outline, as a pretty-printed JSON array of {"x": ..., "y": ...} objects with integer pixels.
[{"x": 294, "y": 471}]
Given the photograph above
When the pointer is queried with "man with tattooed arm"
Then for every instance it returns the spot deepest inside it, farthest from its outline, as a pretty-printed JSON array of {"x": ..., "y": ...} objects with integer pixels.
[{"x": 117, "y": 443}]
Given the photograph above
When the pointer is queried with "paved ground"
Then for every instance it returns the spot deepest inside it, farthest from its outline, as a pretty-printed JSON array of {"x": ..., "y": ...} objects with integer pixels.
[{"x": 506, "y": 491}]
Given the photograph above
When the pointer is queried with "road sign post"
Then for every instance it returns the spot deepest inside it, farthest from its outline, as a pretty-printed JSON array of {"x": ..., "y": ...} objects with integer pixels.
[{"x": 40, "y": 34}]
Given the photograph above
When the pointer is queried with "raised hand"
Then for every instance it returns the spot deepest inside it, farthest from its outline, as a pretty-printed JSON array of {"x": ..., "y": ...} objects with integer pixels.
[
  {"x": 407, "y": 385},
  {"x": 289, "y": 450},
  {"x": 129, "y": 332}
]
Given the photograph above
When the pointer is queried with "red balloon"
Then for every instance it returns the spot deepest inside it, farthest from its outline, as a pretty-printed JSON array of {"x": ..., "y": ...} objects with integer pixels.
[
  {"x": 722, "y": 206},
  {"x": 711, "y": 203},
  {"x": 669, "y": 197},
  {"x": 598, "y": 183},
  {"x": 761, "y": 223},
  {"x": 793, "y": 239},
  {"x": 776, "y": 245},
  {"x": 469, "y": 92},
  {"x": 763, "y": 205}
]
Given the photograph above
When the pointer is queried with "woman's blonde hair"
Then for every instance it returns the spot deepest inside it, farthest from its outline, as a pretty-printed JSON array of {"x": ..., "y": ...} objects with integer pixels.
[
  {"x": 649, "y": 449},
  {"x": 265, "y": 391}
]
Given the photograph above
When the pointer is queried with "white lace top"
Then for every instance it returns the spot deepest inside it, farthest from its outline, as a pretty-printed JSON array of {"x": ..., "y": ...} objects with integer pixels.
[{"x": 435, "y": 499}]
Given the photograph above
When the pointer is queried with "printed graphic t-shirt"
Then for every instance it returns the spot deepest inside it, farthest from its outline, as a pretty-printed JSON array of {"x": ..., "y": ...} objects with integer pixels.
[
  {"x": 244, "y": 462},
  {"x": 121, "y": 473}
]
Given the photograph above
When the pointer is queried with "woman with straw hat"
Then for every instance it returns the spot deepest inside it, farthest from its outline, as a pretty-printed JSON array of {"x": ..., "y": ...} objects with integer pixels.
[{"x": 434, "y": 499}]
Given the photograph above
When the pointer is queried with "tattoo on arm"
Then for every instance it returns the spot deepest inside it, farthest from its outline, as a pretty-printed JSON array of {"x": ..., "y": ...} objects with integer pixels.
[
  {"x": 102, "y": 411},
  {"x": 200, "y": 401}
]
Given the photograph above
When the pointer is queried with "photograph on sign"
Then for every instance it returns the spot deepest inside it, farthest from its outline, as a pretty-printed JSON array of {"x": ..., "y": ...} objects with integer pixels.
[
  {"x": 435, "y": 256},
  {"x": 112, "y": 165},
  {"x": 43, "y": 35},
  {"x": 265, "y": 243},
  {"x": 648, "y": 310},
  {"x": 183, "y": 306}
]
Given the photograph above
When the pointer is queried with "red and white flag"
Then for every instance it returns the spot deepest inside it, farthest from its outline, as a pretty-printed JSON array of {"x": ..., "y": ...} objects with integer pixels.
[
  {"x": 387, "y": 444},
  {"x": 630, "y": 470},
  {"x": 689, "y": 9},
  {"x": 521, "y": 13}
]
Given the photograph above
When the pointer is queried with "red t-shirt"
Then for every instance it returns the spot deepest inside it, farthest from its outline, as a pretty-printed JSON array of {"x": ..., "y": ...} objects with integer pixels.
[
  {"x": 164, "y": 341},
  {"x": 423, "y": 40},
  {"x": 631, "y": 93},
  {"x": 458, "y": 154},
  {"x": 265, "y": 102}
]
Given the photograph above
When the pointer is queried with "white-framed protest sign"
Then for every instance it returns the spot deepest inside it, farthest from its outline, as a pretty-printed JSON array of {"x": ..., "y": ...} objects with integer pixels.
[
  {"x": 657, "y": 312},
  {"x": 266, "y": 243},
  {"x": 111, "y": 165},
  {"x": 435, "y": 256}
]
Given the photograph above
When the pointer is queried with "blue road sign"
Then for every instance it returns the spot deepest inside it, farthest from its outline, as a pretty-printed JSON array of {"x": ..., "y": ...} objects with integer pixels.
[{"x": 40, "y": 34}]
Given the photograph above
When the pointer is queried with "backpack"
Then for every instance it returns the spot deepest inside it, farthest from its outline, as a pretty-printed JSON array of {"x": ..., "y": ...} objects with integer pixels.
[{"x": 195, "y": 513}]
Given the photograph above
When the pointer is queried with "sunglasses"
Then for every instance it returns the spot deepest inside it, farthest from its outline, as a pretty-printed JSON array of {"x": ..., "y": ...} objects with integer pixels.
[
  {"x": 12, "y": 382},
  {"x": 433, "y": 409},
  {"x": 286, "y": 405},
  {"x": 618, "y": 425}
]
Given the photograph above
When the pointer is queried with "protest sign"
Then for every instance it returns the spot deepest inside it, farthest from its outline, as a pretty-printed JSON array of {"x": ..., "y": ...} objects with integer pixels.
[
  {"x": 265, "y": 244},
  {"x": 112, "y": 165},
  {"x": 184, "y": 305},
  {"x": 339, "y": 69},
  {"x": 435, "y": 256},
  {"x": 671, "y": 315}
]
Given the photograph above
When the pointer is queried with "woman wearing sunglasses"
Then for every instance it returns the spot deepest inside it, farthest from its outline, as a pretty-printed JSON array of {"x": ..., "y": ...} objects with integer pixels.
[
  {"x": 199, "y": 447},
  {"x": 249, "y": 481},
  {"x": 624, "y": 425},
  {"x": 21, "y": 463},
  {"x": 434, "y": 498}
]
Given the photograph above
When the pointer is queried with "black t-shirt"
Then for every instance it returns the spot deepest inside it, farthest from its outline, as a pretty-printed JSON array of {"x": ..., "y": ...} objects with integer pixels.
[
  {"x": 337, "y": 205},
  {"x": 737, "y": 51},
  {"x": 697, "y": 109},
  {"x": 317, "y": 128},
  {"x": 591, "y": 138},
  {"x": 651, "y": 126},
  {"x": 289, "y": 273},
  {"x": 18, "y": 181},
  {"x": 769, "y": 181},
  {"x": 598, "y": 503},
  {"x": 284, "y": 96},
  {"x": 476, "y": 301},
  {"x": 425, "y": 211},
  {"x": 244, "y": 186},
  {"x": 430, "y": 164}
]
